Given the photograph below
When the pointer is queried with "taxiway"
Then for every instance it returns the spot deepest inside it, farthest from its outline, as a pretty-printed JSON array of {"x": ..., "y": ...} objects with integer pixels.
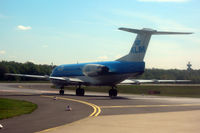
[{"x": 136, "y": 111}]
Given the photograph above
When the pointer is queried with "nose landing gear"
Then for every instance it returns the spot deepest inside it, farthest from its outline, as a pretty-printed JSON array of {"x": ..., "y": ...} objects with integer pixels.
[
  {"x": 61, "y": 92},
  {"x": 80, "y": 91}
]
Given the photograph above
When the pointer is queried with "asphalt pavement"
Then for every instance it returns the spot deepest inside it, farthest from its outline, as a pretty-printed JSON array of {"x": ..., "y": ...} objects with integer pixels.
[{"x": 52, "y": 116}]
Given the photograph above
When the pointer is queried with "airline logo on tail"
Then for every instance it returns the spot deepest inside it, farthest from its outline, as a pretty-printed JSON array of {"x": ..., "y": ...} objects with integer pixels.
[
  {"x": 137, "y": 42},
  {"x": 137, "y": 47},
  {"x": 141, "y": 43}
]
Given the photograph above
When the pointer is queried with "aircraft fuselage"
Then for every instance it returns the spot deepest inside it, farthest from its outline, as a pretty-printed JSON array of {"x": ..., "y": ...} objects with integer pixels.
[{"x": 99, "y": 73}]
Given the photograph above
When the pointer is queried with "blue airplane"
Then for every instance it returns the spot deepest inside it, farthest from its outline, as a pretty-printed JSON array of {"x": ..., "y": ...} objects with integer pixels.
[{"x": 108, "y": 73}]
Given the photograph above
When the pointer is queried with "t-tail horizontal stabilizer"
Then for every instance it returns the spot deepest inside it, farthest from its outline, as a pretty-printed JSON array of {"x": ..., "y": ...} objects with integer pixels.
[
  {"x": 141, "y": 42},
  {"x": 151, "y": 31}
]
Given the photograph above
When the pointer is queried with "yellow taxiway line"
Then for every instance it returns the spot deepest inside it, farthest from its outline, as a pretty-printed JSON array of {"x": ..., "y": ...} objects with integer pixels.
[
  {"x": 148, "y": 106},
  {"x": 96, "y": 111}
]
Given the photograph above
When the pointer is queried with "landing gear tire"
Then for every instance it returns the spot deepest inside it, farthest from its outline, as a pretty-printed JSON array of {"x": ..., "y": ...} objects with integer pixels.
[
  {"x": 61, "y": 92},
  {"x": 80, "y": 92},
  {"x": 112, "y": 92}
]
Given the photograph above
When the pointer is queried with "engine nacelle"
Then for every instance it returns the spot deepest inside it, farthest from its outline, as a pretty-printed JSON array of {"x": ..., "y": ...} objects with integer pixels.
[{"x": 95, "y": 70}]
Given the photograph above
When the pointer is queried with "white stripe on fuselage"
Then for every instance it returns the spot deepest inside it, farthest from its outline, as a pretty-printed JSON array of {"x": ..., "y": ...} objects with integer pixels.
[{"x": 108, "y": 80}]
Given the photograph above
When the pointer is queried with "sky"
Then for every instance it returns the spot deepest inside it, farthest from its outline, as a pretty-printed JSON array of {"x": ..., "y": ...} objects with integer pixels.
[{"x": 71, "y": 31}]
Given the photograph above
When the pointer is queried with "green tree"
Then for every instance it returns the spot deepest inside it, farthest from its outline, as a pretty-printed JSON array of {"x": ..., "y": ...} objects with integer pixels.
[{"x": 3, "y": 70}]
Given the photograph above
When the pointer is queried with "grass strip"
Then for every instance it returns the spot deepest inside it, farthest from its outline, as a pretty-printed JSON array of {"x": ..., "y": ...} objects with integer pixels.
[{"x": 10, "y": 107}]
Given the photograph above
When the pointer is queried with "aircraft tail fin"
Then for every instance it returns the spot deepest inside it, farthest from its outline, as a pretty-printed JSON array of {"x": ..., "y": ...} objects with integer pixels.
[{"x": 139, "y": 47}]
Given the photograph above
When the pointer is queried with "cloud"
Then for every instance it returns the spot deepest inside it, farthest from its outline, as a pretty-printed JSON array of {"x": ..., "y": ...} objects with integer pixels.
[
  {"x": 163, "y": 0},
  {"x": 21, "y": 27},
  {"x": 102, "y": 57},
  {"x": 32, "y": 61},
  {"x": 118, "y": 56},
  {"x": 13, "y": 57},
  {"x": 45, "y": 46},
  {"x": 2, "y": 52}
]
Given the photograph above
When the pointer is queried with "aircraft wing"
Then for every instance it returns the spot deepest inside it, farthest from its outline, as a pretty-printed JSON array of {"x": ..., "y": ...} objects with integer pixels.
[
  {"x": 67, "y": 79},
  {"x": 173, "y": 81},
  {"x": 134, "y": 81},
  {"x": 30, "y": 76},
  {"x": 142, "y": 81}
]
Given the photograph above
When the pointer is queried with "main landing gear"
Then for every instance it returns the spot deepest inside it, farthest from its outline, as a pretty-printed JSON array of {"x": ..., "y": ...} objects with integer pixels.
[
  {"x": 113, "y": 92},
  {"x": 80, "y": 91},
  {"x": 61, "y": 92}
]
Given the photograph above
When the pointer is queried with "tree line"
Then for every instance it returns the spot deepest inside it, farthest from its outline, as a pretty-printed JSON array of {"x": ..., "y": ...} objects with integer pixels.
[
  {"x": 23, "y": 68},
  {"x": 35, "y": 69},
  {"x": 171, "y": 74}
]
